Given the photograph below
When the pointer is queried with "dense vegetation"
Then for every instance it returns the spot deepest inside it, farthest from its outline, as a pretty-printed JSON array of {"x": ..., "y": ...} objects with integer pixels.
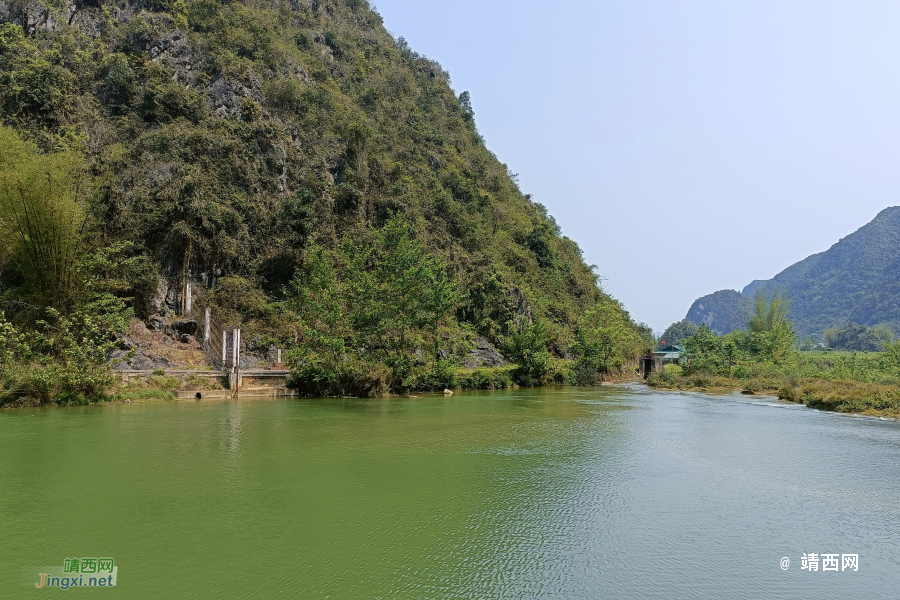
[
  {"x": 676, "y": 333},
  {"x": 764, "y": 358},
  {"x": 857, "y": 280},
  {"x": 317, "y": 176},
  {"x": 859, "y": 337}
]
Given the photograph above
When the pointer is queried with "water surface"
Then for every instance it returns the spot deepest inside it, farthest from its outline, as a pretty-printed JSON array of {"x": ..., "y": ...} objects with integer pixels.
[{"x": 549, "y": 493}]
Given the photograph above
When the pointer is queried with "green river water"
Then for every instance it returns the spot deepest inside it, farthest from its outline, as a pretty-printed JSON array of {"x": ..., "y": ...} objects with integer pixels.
[{"x": 613, "y": 492}]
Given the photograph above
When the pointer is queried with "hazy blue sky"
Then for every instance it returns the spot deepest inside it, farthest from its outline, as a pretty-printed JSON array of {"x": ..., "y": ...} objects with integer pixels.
[{"x": 687, "y": 146}]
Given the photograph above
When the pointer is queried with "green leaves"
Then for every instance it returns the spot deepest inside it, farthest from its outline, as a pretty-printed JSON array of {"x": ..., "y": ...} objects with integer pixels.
[
  {"x": 893, "y": 354},
  {"x": 528, "y": 349},
  {"x": 605, "y": 340},
  {"x": 9, "y": 35},
  {"x": 63, "y": 357},
  {"x": 400, "y": 294},
  {"x": 42, "y": 218},
  {"x": 350, "y": 128},
  {"x": 768, "y": 314},
  {"x": 386, "y": 300}
]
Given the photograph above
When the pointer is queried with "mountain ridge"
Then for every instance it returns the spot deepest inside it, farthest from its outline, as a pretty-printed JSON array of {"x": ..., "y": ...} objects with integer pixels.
[{"x": 857, "y": 280}]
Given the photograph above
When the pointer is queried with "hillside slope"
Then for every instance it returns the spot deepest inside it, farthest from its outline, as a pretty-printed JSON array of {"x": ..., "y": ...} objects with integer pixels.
[
  {"x": 226, "y": 138},
  {"x": 857, "y": 280},
  {"x": 724, "y": 311}
]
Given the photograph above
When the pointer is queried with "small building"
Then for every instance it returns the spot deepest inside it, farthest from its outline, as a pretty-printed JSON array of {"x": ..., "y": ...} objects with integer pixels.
[{"x": 667, "y": 355}]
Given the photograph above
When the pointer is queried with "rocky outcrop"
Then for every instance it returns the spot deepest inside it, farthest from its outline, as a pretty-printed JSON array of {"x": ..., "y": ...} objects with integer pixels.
[
  {"x": 484, "y": 355},
  {"x": 139, "y": 361},
  {"x": 522, "y": 308},
  {"x": 254, "y": 353},
  {"x": 723, "y": 311},
  {"x": 32, "y": 16},
  {"x": 186, "y": 327}
]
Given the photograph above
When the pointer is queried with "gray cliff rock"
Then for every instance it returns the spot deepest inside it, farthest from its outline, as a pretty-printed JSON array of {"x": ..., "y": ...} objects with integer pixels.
[{"x": 484, "y": 355}]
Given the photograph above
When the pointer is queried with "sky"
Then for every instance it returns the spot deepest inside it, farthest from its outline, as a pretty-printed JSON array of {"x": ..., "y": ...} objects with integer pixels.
[{"x": 687, "y": 146}]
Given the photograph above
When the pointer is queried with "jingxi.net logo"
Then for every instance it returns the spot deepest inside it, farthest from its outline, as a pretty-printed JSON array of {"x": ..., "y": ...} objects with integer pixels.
[{"x": 79, "y": 572}]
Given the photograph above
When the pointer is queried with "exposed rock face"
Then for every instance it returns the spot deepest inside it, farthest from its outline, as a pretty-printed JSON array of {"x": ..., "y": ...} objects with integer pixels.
[
  {"x": 140, "y": 361},
  {"x": 523, "y": 310},
  {"x": 31, "y": 16},
  {"x": 723, "y": 311},
  {"x": 186, "y": 327},
  {"x": 254, "y": 353},
  {"x": 167, "y": 297},
  {"x": 156, "y": 323},
  {"x": 484, "y": 355}
]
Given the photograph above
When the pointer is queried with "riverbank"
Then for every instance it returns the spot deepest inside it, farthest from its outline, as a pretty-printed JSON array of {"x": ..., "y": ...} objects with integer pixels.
[
  {"x": 161, "y": 386},
  {"x": 843, "y": 396}
]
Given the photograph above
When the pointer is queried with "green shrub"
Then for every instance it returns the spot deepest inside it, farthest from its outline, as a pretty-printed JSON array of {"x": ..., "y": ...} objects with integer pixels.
[
  {"x": 528, "y": 349},
  {"x": 585, "y": 372},
  {"x": 673, "y": 370},
  {"x": 664, "y": 379},
  {"x": 284, "y": 94},
  {"x": 348, "y": 378},
  {"x": 700, "y": 381},
  {"x": 754, "y": 385},
  {"x": 9, "y": 35},
  {"x": 740, "y": 372},
  {"x": 788, "y": 393},
  {"x": 484, "y": 378}
]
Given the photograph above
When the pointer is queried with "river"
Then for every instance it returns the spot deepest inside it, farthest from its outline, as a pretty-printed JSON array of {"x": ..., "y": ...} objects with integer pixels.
[{"x": 612, "y": 492}]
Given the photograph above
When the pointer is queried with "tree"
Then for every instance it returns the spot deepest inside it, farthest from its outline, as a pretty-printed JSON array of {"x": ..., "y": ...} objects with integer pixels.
[
  {"x": 605, "y": 340},
  {"x": 772, "y": 336},
  {"x": 386, "y": 300},
  {"x": 400, "y": 295},
  {"x": 528, "y": 349},
  {"x": 768, "y": 314},
  {"x": 858, "y": 337},
  {"x": 884, "y": 333},
  {"x": 42, "y": 218},
  {"x": 893, "y": 354},
  {"x": 705, "y": 351},
  {"x": 63, "y": 356}
]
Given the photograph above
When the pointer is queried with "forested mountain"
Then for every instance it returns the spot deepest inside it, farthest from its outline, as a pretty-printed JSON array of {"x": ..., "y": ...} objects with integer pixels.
[
  {"x": 724, "y": 311},
  {"x": 230, "y": 142},
  {"x": 857, "y": 280}
]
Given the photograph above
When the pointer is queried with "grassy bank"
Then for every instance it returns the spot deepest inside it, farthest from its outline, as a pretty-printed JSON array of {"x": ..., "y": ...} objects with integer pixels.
[
  {"x": 848, "y": 382},
  {"x": 156, "y": 387}
]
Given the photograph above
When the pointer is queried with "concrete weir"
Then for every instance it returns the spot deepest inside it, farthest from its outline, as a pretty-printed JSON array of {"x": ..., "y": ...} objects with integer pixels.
[{"x": 246, "y": 382}]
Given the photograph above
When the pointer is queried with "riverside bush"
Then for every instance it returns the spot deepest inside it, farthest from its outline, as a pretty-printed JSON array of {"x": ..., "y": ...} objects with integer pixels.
[
  {"x": 845, "y": 396},
  {"x": 482, "y": 378}
]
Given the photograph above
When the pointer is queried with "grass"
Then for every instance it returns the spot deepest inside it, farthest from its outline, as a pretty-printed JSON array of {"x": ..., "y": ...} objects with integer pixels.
[
  {"x": 847, "y": 382},
  {"x": 846, "y": 396}
]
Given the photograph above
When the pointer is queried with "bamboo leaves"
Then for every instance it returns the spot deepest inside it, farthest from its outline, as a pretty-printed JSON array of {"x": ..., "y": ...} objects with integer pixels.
[{"x": 41, "y": 218}]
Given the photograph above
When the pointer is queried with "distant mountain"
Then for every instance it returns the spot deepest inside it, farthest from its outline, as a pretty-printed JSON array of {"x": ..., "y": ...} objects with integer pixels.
[
  {"x": 724, "y": 311},
  {"x": 857, "y": 280}
]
